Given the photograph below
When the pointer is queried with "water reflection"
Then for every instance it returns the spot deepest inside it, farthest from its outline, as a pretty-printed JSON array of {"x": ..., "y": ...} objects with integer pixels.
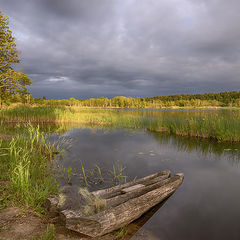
[
  {"x": 230, "y": 151},
  {"x": 135, "y": 226}
]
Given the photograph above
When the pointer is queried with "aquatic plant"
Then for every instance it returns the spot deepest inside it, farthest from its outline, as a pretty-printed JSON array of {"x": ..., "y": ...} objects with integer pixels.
[
  {"x": 117, "y": 172},
  {"x": 69, "y": 175},
  {"x": 211, "y": 124},
  {"x": 84, "y": 174},
  {"x": 101, "y": 179}
]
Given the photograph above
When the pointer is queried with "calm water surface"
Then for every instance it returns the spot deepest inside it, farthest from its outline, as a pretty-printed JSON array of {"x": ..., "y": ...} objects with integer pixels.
[{"x": 206, "y": 206}]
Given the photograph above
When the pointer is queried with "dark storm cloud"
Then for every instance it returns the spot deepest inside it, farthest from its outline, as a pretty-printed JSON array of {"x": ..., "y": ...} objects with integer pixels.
[{"x": 93, "y": 48}]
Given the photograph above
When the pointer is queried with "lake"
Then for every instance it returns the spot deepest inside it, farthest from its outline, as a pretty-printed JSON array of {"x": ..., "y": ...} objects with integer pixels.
[{"x": 206, "y": 206}]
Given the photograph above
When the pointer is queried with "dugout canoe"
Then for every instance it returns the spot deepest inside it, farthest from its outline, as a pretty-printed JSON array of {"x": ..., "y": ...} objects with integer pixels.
[{"x": 124, "y": 204}]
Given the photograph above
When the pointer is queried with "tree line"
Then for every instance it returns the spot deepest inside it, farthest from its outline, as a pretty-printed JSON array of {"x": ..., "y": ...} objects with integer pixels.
[{"x": 222, "y": 99}]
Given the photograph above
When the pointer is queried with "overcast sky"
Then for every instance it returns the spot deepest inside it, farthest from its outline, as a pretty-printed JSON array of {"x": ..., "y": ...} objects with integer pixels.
[{"x": 93, "y": 48}]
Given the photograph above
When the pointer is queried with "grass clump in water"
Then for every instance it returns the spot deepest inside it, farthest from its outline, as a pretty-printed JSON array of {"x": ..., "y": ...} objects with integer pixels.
[{"x": 117, "y": 173}]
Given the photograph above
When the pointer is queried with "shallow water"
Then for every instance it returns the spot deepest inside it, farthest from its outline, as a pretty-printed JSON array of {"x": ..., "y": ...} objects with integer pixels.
[{"x": 206, "y": 206}]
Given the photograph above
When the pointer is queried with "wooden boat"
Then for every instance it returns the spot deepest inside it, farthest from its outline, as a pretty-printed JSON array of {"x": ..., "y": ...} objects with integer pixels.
[{"x": 124, "y": 204}]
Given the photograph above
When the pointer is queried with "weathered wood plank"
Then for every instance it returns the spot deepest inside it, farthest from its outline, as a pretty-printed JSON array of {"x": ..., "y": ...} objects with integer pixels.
[
  {"x": 116, "y": 190},
  {"x": 132, "y": 188},
  {"x": 117, "y": 200},
  {"x": 121, "y": 215}
]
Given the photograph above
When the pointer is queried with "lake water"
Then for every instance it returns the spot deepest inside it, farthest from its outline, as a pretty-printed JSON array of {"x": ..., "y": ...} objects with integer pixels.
[{"x": 206, "y": 206}]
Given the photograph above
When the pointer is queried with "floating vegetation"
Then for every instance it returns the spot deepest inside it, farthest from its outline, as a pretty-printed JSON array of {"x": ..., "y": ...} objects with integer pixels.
[{"x": 229, "y": 149}]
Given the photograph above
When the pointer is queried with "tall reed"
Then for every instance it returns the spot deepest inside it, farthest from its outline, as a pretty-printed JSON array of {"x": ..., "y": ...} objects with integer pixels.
[
  {"x": 214, "y": 124},
  {"x": 27, "y": 166}
]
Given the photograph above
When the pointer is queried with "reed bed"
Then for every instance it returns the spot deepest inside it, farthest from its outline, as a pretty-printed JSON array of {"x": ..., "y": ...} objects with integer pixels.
[
  {"x": 209, "y": 124},
  {"x": 221, "y": 128}
]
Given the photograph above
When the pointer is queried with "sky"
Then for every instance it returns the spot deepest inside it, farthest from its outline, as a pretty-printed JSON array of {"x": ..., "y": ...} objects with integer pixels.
[{"x": 137, "y": 48}]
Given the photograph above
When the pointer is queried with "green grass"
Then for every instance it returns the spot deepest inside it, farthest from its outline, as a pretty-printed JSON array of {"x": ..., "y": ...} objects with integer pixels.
[
  {"x": 117, "y": 173},
  {"x": 84, "y": 174},
  {"x": 221, "y": 126},
  {"x": 101, "y": 179},
  {"x": 210, "y": 126},
  {"x": 27, "y": 169},
  {"x": 121, "y": 233},
  {"x": 50, "y": 234}
]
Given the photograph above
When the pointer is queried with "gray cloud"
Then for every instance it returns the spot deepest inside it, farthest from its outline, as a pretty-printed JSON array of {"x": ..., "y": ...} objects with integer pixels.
[{"x": 132, "y": 47}]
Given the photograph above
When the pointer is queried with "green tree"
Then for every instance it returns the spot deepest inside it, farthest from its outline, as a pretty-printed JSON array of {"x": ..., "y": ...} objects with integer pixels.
[{"x": 11, "y": 82}]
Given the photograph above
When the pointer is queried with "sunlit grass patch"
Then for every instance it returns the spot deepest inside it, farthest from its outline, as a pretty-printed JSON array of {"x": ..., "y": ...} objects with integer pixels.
[
  {"x": 211, "y": 125},
  {"x": 26, "y": 165}
]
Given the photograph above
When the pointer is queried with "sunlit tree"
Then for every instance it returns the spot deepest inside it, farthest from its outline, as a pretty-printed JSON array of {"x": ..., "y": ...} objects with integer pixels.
[{"x": 11, "y": 82}]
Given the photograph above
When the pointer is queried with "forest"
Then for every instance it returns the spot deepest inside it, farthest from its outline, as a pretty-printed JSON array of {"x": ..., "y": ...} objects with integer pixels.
[{"x": 222, "y": 99}]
